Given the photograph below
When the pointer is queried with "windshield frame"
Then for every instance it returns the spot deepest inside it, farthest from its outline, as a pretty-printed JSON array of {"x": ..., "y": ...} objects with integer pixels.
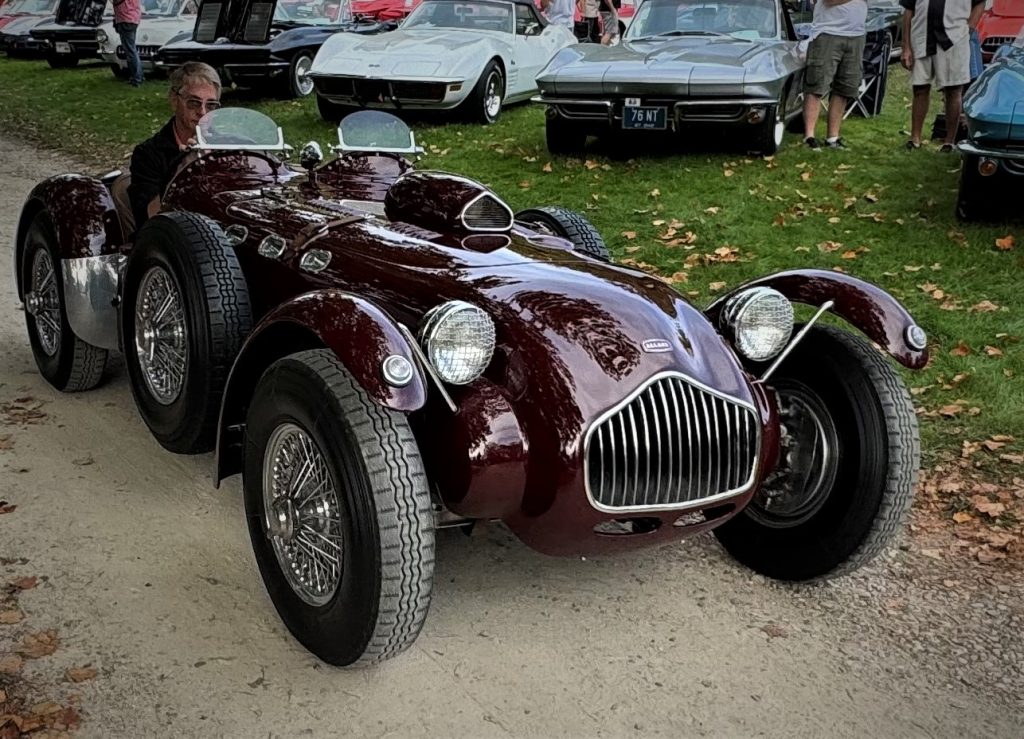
[
  {"x": 633, "y": 34},
  {"x": 202, "y": 145},
  {"x": 421, "y": 10}
]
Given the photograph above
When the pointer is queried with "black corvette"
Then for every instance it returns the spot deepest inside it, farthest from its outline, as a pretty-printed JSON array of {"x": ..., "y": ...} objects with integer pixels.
[{"x": 256, "y": 42}]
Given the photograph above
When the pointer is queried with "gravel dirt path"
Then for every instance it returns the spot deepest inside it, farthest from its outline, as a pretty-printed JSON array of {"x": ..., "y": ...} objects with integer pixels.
[{"x": 146, "y": 573}]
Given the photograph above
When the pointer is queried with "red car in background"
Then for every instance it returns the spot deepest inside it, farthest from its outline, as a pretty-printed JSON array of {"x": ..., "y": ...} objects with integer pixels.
[{"x": 1000, "y": 25}]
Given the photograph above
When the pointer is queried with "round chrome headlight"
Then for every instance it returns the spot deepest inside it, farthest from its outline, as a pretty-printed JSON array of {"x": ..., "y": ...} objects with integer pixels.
[
  {"x": 458, "y": 338},
  {"x": 760, "y": 322}
]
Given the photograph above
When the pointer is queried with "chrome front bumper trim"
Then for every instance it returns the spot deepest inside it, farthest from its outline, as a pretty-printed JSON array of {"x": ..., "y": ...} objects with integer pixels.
[{"x": 969, "y": 148}]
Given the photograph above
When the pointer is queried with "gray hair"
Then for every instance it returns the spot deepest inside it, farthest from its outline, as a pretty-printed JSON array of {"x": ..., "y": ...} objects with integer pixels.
[{"x": 192, "y": 73}]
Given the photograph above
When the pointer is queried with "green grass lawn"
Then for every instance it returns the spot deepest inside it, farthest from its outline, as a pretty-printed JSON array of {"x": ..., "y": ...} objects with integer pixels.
[{"x": 710, "y": 219}]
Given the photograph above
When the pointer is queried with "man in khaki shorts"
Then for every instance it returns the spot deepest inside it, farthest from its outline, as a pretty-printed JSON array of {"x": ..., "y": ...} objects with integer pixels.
[
  {"x": 937, "y": 51},
  {"x": 834, "y": 65}
]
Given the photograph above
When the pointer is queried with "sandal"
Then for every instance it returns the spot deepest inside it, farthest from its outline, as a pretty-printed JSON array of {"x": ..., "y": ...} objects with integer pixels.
[
  {"x": 911, "y": 145},
  {"x": 946, "y": 149}
]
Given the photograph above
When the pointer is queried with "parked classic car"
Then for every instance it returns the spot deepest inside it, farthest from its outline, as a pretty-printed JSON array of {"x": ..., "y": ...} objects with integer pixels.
[
  {"x": 72, "y": 35},
  {"x": 383, "y": 10},
  {"x": 883, "y": 44},
  {"x": 473, "y": 56},
  {"x": 161, "y": 22},
  {"x": 21, "y": 8},
  {"x": 711, "y": 64},
  {"x": 380, "y": 351},
  {"x": 15, "y": 34},
  {"x": 253, "y": 42},
  {"x": 992, "y": 172},
  {"x": 1000, "y": 24}
]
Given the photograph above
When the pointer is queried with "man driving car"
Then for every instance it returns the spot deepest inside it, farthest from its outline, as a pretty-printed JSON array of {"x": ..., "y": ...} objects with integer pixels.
[{"x": 195, "y": 91}]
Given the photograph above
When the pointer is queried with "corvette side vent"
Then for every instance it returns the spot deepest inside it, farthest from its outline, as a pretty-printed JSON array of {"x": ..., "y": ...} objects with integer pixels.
[
  {"x": 206, "y": 25},
  {"x": 486, "y": 213},
  {"x": 257, "y": 25}
]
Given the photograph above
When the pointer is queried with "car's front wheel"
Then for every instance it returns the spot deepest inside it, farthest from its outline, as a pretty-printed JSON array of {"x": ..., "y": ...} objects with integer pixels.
[
  {"x": 118, "y": 71},
  {"x": 63, "y": 359},
  {"x": 848, "y": 463},
  {"x": 562, "y": 136},
  {"x": 299, "y": 83},
  {"x": 974, "y": 199},
  {"x": 186, "y": 313},
  {"x": 332, "y": 112},
  {"x": 771, "y": 132},
  {"x": 339, "y": 511},
  {"x": 568, "y": 224},
  {"x": 484, "y": 104}
]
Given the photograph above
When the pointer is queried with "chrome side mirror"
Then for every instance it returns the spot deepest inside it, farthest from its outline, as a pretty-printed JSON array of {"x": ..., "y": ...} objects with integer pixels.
[{"x": 311, "y": 155}]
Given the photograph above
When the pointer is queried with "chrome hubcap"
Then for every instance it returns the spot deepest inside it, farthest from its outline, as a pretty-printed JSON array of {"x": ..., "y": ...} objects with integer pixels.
[
  {"x": 43, "y": 302},
  {"x": 161, "y": 336},
  {"x": 492, "y": 99},
  {"x": 303, "y": 82},
  {"x": 303, "y": 516},
  {"x": 809, "y": 461}
]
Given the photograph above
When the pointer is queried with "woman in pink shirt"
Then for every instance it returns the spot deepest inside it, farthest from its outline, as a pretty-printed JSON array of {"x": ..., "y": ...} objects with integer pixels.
[{"x": 127, "y": 14}]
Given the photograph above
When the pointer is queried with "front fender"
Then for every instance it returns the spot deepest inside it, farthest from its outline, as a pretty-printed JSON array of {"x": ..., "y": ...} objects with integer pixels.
[
  {"x": 83, "y": 214},
  {"x": 361, "y": 337},
  {"x": 881, "y": 317}
]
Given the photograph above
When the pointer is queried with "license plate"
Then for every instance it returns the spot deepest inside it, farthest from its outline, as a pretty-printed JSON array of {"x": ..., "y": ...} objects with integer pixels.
[
  {"x": 63, "y": 47},
  {"x": 643, "y": 117}
]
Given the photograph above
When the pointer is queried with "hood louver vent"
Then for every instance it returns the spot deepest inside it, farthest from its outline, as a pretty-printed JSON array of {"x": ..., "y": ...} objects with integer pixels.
[
  {"x": 206, "y": 26},
  {"x": 257, "y": 25},
  {"x": 487, "y": 213}
]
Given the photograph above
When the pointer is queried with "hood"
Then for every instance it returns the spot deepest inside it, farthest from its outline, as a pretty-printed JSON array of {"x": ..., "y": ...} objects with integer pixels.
[
  {"x": 994, "y": 104},
  {"x": 417, "y": 53},
  {"x": 1008, "y": 8},
  {"x": 662, "y": 64},
  {"x": 21, "y": 26},
  {"x": 251, "y": 21},
  {"x": 81, "y": 12}
]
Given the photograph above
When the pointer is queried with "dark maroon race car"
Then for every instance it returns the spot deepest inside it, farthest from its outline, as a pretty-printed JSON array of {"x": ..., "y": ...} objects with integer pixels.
[{"x": 382, "y": 351}]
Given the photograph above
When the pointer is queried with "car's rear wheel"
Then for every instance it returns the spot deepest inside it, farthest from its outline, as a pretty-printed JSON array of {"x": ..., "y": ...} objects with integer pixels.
[
  {"x": 848, "y": 463},
  {"x": 62, "y": 61},
  {"x": 64, "y": 360},
  {"x": 186, "y": 312},
  {"x": 562, "y": 136},
  {"x": 299, "y": 83},
  {"x": 568, "y": 224},
  {"x": 339, "y": 511},
  {"x": 332, "y": 112},
  {"x": 484, "y": 104}
]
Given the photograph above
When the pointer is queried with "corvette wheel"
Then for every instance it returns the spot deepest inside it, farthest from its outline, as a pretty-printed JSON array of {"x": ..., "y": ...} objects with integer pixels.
[
  {"x": 300, "y": 84},
  {"x": 186, "y": 313},
  {"x": 332, "y": 112},
  {"x": 64, "y": 360},
  {"x": 562, "y": 136},
  {"x": 484, "y": 103},
  {"x": 770, "y": 134},
  {"x": 568, "y": 224},
  {"x": 339, "y": 511},
  {"x": 848, "y": 463},
  {"x": 974, "y": 200}
]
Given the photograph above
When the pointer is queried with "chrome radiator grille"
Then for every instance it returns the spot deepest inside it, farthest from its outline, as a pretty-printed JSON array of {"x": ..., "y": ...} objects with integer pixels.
[{"x": 674, "y": 444}]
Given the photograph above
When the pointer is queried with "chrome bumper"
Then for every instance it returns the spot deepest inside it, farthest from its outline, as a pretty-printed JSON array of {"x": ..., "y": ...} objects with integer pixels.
[{"x": 969, "y": 148}]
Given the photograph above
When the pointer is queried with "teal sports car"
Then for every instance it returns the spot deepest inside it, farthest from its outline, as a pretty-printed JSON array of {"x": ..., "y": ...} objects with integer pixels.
[{"x": 992, "y": 176}]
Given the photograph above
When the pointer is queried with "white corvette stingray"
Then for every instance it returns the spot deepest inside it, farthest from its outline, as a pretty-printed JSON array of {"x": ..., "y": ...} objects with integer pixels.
[{"x": 473, "y": 56}]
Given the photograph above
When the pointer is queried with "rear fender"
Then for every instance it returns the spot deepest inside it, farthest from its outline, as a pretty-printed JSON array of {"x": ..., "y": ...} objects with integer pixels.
[
  {"x": 361, "y": 337},
  {"x": 83, "y": 214},
  {"x": 867, "y": 307}
]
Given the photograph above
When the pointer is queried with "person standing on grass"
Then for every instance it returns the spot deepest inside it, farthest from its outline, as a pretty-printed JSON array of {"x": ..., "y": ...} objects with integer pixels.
[
  {"x": 127, "y": 15},
  {"x": 834, "y": 64},
  {"x": 937, "y": 51}
]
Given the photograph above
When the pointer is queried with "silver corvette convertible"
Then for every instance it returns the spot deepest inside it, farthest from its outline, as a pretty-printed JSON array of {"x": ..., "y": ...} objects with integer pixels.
[
  {"x": 473, "y": 56},
  {"x": 681, "y": 63}
]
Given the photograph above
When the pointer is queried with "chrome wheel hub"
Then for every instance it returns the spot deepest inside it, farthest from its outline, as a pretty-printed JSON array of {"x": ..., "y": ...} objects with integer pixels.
[
  {"x": 42, "y": 302},
  {"x": 809, "y": 461},
  {"x": 303, "y": 82},
  {"x": 161, "y": 336},
  {"x": 302, "y": 514},
  {"x": 492, "y": 98}
]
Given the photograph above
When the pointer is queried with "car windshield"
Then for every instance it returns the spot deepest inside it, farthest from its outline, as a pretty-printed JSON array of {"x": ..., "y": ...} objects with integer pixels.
[
  {"x": 168, "y": 8},
  {"x": 449, "y": 14},
  {"x": 375, "y": 130},
  {"x": 31, "y": 7},
  {"x": 312, "y": 12},
  {"x": 742, "y": 19},
  {"x": 238, "y": 128}
]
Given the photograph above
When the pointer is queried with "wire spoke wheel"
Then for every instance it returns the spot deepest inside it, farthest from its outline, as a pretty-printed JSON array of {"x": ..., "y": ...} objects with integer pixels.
[
  {"x": 161, "y": 335},
  {"x": 303, "y": 517},
  {"x": 43, "y": 303}
]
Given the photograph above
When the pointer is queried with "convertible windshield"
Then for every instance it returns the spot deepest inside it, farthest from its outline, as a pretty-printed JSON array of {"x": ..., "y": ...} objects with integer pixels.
[
  {"x": 742, "y": 19},
  {"x": 311, "y": 12},
  {"x": 30, "y": 7},
  {"x": 448, "y": 14},
  {"x": 238, "y": 128}
]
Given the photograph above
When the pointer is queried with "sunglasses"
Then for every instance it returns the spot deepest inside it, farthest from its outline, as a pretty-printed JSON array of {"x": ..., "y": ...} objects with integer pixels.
[{"x": 194, "y": 103}]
